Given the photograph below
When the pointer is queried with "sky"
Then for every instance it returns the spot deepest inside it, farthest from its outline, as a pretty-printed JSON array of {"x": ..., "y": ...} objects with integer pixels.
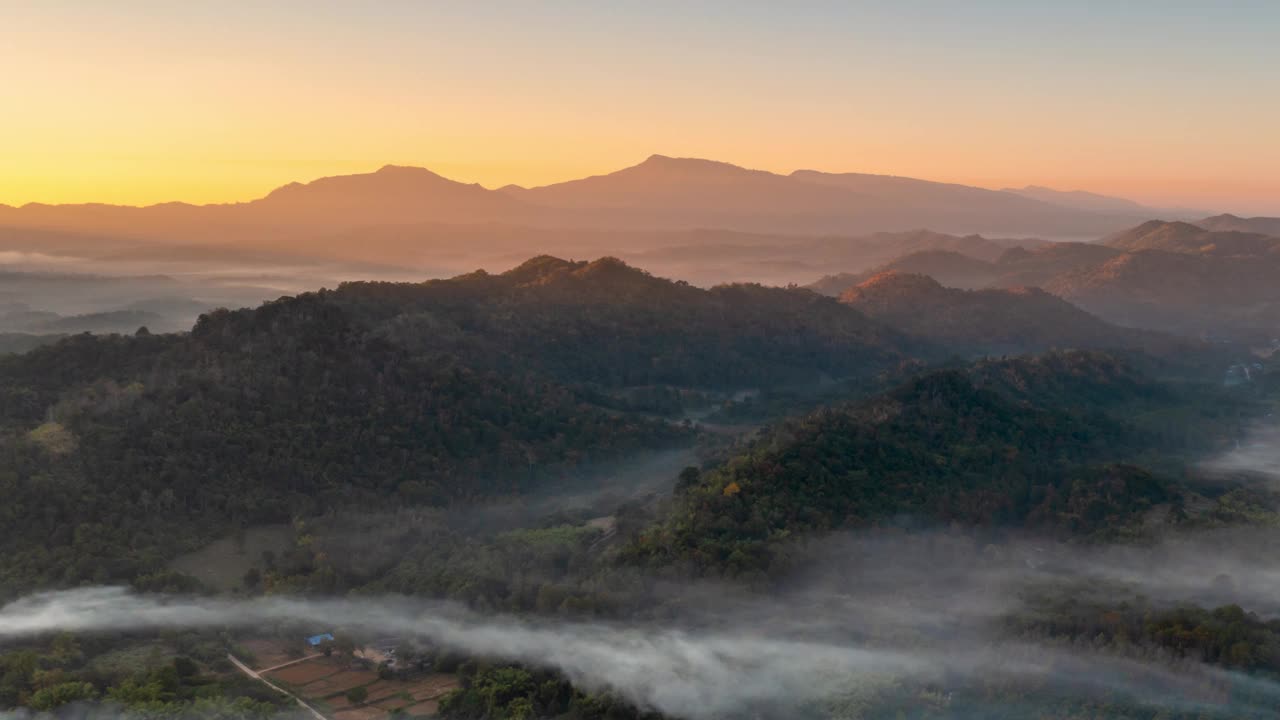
[{"x": 141, "y": 101}]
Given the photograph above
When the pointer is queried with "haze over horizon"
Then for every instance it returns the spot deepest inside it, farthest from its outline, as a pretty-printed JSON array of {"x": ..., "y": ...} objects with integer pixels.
[{"x": 144, "y": 102}]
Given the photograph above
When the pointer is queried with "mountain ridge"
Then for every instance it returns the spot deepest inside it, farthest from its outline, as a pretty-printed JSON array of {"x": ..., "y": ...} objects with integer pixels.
[
  {"x": 990, "y": 321},
  {"x": 661, "y": 192}
]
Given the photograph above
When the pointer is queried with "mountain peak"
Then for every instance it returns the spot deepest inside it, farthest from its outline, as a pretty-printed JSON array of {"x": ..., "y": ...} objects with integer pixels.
[
  {"x": 686, "y": 165},
  {"x": 1227, "y": 222},
  {"x": 893, "y": 283},
  {"x": 546, "y": 270},
  {"x": 401, "y": 181},
  {"x": 538, "y": 267},
  {"x": 406, "y": 171}
]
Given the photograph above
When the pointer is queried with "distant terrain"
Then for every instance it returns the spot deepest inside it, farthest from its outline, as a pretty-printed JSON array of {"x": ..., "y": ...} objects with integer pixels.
[
  {"x": 1174, "y": 277},
  {"x": 412, "y": 218}
]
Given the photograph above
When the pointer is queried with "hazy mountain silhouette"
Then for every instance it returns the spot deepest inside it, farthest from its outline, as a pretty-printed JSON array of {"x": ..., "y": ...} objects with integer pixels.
[
  {"x": 1187, "y": 238},
  {"x": 1080, "y": 199},
  {"x": 948, "y": 267},
  {"x": 1182, "y": 292},
  {"x": 1017, "y": 266},
  {"x": 682, "y": 193},
  {"x": 936, "y": 205},
  {"x": 993, "y": 321},
  {"x": 659, "y": 194},
  {"x": 1167, "y": 276},
  {"x": 672, "y": 184},
  {"x": 293, "y": 212},
  {"x": 1106, "y": 204},
  {"x": 1034, "y": 267},
  {"x": 1228, "y": 222},
  {"x": 393, "y": 194}
]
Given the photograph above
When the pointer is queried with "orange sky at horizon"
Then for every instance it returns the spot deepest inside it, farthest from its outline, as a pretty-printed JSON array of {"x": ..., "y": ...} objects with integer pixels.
[{"x": 144, "y": 103}]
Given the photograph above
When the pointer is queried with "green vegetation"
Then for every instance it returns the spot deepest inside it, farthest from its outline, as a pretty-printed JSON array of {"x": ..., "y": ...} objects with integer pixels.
[
  {"x": 357, "y": 695},
  {"x": 373, "y": 395},
  {"x": 138, "y": 679},
  {"x": 1043, "y": 443},
  {"x": 507, "y": 692}
]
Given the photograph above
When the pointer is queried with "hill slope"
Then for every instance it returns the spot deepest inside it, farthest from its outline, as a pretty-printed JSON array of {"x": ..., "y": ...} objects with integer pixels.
[
  {"x": 1180, "y": 292},
  {"x": 1231, "y": 223},
  {"x": 374, "y": 395},
  {"x": 1165, "y": 276},
  {"x": 907, "y": 202},
  {"x": 1187, "y": 238},
  {"x": 948, "y": 447},
  {"x": 995, "y": 321}
]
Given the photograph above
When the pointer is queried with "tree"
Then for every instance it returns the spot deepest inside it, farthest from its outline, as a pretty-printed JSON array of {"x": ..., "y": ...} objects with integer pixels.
[
  {"x": 345, "y": 645},
  {"x": 65, "y": 650},
  {"x": 688, "y": 478},
  {"x": 357, "y": 695},
  {"x": 186, "y": 667},
  {"x": 252, "y": 578}
]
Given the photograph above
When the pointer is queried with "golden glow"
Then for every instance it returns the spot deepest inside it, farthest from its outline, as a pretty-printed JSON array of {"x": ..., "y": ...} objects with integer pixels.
[{"x": 142, "y": 107}]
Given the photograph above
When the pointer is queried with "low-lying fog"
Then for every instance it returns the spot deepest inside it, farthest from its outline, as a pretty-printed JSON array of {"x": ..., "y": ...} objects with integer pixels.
[
  {"x": 868, "y": 611},
  {"x": 46, "y": 294}
]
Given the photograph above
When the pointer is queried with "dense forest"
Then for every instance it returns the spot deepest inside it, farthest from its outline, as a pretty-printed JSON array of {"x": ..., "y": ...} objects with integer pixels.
[
  {"x": 488, "y": 441},
  {"x": 1050, "y": 443},
  {"x": 373, "y": 394}
]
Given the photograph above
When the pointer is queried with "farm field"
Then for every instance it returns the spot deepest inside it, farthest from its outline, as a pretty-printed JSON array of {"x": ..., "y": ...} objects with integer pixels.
[
  {"x": 324, "y": 682},
  {"x": 268, "y": 654}
]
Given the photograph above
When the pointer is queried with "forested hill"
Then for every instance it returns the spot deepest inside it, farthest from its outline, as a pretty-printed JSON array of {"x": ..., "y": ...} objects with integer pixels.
[
  {"x": 116, "y": 451},
  {"x": 608, "y": 323},
  {"x": 170, "y": 442},
  {"x": 996, "y": 321},
  {"x": 1048, "y": 443}
]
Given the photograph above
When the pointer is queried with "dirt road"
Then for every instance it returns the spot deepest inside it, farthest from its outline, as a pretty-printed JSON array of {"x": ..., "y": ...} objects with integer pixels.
[{"x": 257, "y": 676}]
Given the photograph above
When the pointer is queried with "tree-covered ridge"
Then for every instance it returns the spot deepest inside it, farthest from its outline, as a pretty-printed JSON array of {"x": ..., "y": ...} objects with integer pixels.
[
  {"x": 1046, "y": 442},
  {"x": 997, "y": 320},
  {"x": 118, "y": 451},
  {"x": 604, "y": 322},
  {"x": 11, "y": 342}
]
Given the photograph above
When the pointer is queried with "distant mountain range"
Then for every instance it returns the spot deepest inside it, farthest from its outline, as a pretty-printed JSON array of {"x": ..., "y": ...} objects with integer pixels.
[
  {"x": 1226, "y": 222},
  {"x": 1184, "y": 237},
  {"x": 700, "y": 221},
  {"x": 397, "y": 207},
  {"x": 1106, "y": 204}
]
